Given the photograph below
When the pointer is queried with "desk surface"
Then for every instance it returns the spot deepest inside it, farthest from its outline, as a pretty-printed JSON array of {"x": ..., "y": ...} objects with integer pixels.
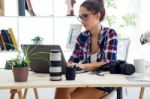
[{"x": 38, "y": 80}]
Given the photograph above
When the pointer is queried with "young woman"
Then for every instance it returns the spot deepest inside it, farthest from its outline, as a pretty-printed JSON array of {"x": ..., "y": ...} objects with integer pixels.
[{"x": 94, "y": 47}]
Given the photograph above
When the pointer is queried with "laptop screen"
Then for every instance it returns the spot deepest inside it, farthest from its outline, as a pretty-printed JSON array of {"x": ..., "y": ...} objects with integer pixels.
[{"x": 39, "y": 60}]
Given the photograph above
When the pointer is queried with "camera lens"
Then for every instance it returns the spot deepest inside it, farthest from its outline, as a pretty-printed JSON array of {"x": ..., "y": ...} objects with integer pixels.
[{"x": 127, "y": 69}]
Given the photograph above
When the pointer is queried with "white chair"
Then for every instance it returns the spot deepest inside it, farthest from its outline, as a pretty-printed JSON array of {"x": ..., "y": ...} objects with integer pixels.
[{"x": 122, "y": 53}]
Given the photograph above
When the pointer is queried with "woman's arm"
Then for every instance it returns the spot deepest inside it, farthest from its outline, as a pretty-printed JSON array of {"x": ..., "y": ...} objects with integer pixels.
[
  {"x": 110, "y": 48},
  {"x": 91, "y": 66}
]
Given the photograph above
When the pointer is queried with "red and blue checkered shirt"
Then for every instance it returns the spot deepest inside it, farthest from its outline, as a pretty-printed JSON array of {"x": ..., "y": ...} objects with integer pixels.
[{"x": 107, "y": 46}]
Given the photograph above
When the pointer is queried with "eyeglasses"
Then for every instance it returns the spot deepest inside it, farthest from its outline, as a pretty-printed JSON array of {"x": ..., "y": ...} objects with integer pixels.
[{"x": 83, "y": 17}]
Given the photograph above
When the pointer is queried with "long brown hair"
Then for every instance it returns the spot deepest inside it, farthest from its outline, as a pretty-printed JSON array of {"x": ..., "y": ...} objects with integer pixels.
[{"x": 95, "y": 6}]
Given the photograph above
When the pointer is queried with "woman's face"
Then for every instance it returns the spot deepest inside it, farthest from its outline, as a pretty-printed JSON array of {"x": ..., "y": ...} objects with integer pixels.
[{"x": 87, "y": 18}]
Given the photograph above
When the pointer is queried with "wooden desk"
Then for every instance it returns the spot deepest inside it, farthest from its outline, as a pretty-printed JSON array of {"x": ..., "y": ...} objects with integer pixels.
[{"x": 37, "y": 80}]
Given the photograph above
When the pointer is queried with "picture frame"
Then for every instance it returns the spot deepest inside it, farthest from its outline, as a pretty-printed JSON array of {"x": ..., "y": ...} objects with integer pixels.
[{"x": 74, "y": 31}]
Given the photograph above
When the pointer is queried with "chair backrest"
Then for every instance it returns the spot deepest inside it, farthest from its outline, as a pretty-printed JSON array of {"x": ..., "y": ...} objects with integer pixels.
[{"x": 122, "y": 50}]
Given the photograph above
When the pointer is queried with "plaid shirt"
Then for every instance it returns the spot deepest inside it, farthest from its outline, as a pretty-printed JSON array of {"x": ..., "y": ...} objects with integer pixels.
[{"x": 107, "y": 46}]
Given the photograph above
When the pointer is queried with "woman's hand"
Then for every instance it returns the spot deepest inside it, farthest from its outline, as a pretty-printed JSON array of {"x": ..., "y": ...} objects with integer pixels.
[
  {"x": 75, "y": 65},
  {"x": 80, "y": 66},
  {"x": 87, "y": 66},
  {"x": 71, "y": 64}
]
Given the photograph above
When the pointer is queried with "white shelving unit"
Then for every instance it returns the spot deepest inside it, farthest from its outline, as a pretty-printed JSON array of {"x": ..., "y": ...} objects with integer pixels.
[{"x": 50, "y": 22}]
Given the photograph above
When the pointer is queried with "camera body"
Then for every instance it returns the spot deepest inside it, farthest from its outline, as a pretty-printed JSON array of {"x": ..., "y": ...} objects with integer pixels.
[{"x": 118, "y": 67}]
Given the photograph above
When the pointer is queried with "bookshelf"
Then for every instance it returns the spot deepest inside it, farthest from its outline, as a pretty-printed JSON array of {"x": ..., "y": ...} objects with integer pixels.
[{"x": 48, "y": 24}]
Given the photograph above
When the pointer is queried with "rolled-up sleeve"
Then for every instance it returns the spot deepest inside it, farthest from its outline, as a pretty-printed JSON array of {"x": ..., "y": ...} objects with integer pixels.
[
  {"x": 75, "y": 54},
  {"x": 110, "y": 49}
]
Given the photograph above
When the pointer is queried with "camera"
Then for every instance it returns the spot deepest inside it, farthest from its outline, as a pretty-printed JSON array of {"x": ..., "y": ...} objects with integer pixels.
[{"x": 118, "y": 67}]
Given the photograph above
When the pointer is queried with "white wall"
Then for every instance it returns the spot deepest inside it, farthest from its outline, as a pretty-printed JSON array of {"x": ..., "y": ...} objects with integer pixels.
[
  {"x": 10, "y": 8},
  {"x": 32, "y": 27}
]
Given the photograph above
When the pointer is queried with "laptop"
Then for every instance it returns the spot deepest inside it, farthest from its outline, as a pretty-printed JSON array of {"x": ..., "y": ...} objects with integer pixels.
[
  {"x": 40, "y": 57},
  {"x": 39, "y": 61}
]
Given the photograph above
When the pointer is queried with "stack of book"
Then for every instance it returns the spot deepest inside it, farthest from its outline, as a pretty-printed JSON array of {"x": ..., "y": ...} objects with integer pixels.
[{"x": 7, "y": 40}]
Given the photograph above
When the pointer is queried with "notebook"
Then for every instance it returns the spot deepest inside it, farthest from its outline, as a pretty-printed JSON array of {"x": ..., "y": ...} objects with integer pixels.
[
  {"x": 40, "y": 60},
  {"x": 138, "y": 78}
]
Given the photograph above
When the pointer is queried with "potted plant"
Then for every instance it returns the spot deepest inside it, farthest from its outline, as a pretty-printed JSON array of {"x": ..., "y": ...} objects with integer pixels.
[
  {"x": 20, "y": 66},
  {"x": 37, "y": 40}
]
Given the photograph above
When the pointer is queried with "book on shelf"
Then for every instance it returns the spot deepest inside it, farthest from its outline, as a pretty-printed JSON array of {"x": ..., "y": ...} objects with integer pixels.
[
  {"x": 5, "y": 38},
  {"x": 10, "y": 30},
  {"x": 9, "y": 40},
  {"x": 3, "y": 46},
  {"x": 29, "y": 7},
  {"x": 1, "y": 43},
  {"x": 21, "y": 7}
]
